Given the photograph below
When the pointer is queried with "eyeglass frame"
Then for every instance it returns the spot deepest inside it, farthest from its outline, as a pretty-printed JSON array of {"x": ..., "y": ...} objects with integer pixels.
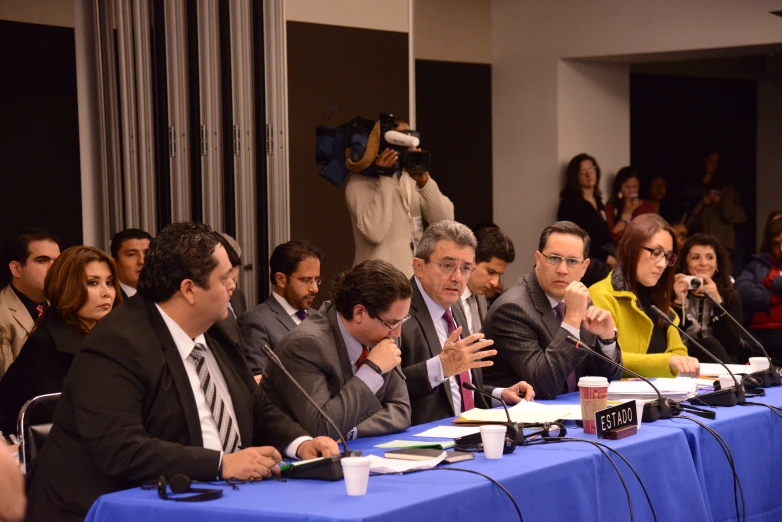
[
  {"x": 670, "y": 258},
  {"x": 563, "y": 258},
  {"x": 309, "y": 280},
  {"x": 452, "y": 272},
  {"x": 398, "y": 323}
]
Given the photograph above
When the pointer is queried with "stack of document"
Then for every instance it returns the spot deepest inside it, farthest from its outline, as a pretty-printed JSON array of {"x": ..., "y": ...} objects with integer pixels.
[
  {"x": 677, "y": 389},
  {"x": 715, "y": 370},
  {"x": 526, "y": 412}
]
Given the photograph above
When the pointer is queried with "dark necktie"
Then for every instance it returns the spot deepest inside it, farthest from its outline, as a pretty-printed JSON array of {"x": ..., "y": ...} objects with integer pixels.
[
  {"x": 468, "y": 402},
  {"x": 362, "y": 357},
  {"x": 475, "y": 314},
  {"x": 229, "y": 435},
  {"x": 559, "y": 312},
  {"x": 301, "y": 314}
]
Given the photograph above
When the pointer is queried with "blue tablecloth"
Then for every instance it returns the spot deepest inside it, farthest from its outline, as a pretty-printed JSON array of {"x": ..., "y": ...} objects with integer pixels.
[{"x": 567, "y": 481}]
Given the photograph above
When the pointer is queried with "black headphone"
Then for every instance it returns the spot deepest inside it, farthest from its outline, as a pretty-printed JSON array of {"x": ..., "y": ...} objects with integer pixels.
[
  {"x": 514, "y": 436},
  {"x": 181, "y": 484}
]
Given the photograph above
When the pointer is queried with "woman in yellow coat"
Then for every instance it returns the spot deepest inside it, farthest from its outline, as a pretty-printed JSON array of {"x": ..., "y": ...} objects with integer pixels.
[{"x": 644, "y": 277}]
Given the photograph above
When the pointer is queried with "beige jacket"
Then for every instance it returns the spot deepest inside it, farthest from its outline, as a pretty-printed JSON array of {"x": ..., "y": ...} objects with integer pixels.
[{"x": 15, "y": 325}]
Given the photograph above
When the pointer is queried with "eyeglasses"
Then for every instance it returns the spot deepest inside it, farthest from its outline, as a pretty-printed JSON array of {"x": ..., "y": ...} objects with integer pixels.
[
  {"x": 395, "y": 324},
  {"x": 309, "y": 280},
  {"x": 451, "y": 268},
  {"x": 658, "y": 253},
  {"x": 570, "y": 262}
]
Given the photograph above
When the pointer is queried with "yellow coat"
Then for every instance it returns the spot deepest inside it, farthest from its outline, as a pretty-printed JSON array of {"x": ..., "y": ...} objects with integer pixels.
[{"x": 634, "y": 328}]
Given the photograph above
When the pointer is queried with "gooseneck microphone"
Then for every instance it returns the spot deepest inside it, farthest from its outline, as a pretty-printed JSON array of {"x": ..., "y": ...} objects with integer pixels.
[
  {"x": 770, "y": 376},
  {"x": 327, "y": 468},
  {"x": 514, "y": 435},
  {"x": 723, "y": 397}
]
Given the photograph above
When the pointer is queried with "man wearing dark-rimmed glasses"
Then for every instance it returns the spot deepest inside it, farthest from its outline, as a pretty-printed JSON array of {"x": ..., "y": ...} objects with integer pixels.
[
  {"x": 345, "y": 357},
  {"x": 531, "y": 321},
  {"x": 439, "y": 354}
]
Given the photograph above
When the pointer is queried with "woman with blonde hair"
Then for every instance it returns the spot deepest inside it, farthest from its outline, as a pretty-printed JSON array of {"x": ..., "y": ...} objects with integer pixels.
[{"x": 80, "y": 291}]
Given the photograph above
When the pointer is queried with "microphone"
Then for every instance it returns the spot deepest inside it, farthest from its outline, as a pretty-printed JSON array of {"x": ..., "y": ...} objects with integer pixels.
[
  {"x": 662, "y": 408},
  {"x": 513, "y": 433},
  {"x": 326, "y": 468},
  {"x": 724, "y": 397},
  {"x": 404, "y": 140},
  {"x": 770, "y": 376}
]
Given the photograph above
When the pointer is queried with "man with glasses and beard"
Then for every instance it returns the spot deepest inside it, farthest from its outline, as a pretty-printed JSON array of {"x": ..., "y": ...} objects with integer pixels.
[
  {"x": 531, "y": 321},
  {"x": 294, "y": 270},
  {"x": 346, "y": 359}
]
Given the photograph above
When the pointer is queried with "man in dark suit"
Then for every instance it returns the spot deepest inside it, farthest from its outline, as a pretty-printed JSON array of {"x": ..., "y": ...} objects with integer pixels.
[
  {"x": 129, "y": 247},
  {"x": 294, "y": 270},
  {"x": 530, "y": 322},
  {"x": 492, "y": 257},
  {"x": 152, "y": 394},
  {"x": 346, "y": 359},
  {"x": 438, "y": 352}
]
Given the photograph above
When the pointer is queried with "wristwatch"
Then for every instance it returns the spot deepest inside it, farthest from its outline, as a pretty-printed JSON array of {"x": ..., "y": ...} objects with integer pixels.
[{"x": 609, "y": 341}]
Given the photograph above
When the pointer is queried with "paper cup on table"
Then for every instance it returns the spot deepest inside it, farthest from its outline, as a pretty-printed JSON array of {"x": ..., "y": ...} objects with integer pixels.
[
  {"x": 493, "y": 438},
  {"x": 758, "y": 364},
  {"x": 593, "y": 392},
  {"x": 726, "y": 381},
  {"x": 356, "y": 472},
  {"x": 639, "y": 409}
]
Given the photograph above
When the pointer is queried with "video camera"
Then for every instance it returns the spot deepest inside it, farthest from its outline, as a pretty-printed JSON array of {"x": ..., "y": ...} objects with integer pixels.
[{"x": 355, "y": 145}]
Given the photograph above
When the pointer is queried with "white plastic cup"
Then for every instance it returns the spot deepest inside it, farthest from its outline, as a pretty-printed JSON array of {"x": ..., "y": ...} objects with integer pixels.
[
  {"x": 356, "y": 472},
  {"x": 493, "y": 438},
  {"x": 758, "y": 364},
  {"x": 726, "y": 381},
  {"x": 639, "y": 410}
]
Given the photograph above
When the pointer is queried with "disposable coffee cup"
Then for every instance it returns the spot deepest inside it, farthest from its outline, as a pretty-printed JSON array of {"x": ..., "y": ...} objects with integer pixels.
[
  {"x": 726, "y": 381},
  {"x": 356, "y": 472},
  {"x": 758, "y": 364},
  {"x": 493, "y": 438},
  {"x": 593, "y": 392}
]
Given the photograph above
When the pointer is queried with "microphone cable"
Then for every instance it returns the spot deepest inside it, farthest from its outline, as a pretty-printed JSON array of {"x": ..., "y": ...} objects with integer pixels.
[
  {"x": 729, "y": 455},
  {"x": 775, "y": 409}
]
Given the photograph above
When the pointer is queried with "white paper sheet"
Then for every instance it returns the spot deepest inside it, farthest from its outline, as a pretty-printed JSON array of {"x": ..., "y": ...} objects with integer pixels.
[
  {"x": 526, "y": 412},
  {"x": 677, "y": 389},
  {"x": 384, "y": 465},
  {"x": 449, "y": 432},
  {"x": 718, "y": 369}
]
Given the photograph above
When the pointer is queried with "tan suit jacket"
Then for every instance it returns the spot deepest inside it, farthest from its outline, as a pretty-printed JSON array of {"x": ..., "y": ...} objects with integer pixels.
[{"x": 15, "y": 325}]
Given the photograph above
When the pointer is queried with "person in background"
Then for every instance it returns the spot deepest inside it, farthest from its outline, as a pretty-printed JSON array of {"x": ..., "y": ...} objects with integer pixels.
[
  {"x": 642, "y": 278},
  {"x": 238, "y": 303},
  {"x": 582, "y": 204},
  {"x": 625, "y": 203},
  {"x": 662, "y": 204},
  {"x": 703, "y": 256},
  {"x": 80, "y": 288},
  {"x": 760, "y": 286},
  {"x": 774, "y": 214},
  {"x": 24, "y": 262},
  {"x": 129, "y": 248}
]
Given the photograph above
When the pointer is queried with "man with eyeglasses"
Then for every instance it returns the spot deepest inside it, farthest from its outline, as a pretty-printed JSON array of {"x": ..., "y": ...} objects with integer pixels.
[
  {"x": 438, "y": 352},
  {"x": 294, "y": 270},
  {"x": 346, "y": 359},
  {"x": 531, "y": 321}
]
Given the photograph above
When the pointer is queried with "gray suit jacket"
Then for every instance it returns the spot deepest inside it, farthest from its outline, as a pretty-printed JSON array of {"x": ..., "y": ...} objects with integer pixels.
[
  {"x": 315, "y": 355},
  {"x": 419, "y": 343},
  {"x": 532, "y": 347},
  {"x": 266, "y": 323}
]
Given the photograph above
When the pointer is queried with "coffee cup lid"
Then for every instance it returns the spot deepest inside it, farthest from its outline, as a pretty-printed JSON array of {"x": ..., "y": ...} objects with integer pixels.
[{"x": 593, "y": 382}]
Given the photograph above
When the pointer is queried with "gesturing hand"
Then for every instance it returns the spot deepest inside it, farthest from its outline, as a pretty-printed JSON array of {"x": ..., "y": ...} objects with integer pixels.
[{"x": 465, "y": 354}]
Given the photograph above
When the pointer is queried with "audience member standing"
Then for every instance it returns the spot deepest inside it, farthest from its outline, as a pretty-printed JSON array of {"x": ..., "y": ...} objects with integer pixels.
[
  {"x": 644, "y": 277},
  {"x": 388, "y": 212},
  {"x": 80, "y": 288},
  {"x": 625, "y": 203},
  {"x": 129, "y": 248},
  {"x": 760, "y": 286},
  {"x": 28, "y": 255}
]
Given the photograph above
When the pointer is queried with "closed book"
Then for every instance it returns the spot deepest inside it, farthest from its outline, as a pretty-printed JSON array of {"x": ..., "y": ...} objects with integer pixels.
[{"x": 426, "y": 454}]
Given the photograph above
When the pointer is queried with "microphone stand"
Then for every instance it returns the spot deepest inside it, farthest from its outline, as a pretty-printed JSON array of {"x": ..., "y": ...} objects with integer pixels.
[
  {"x": 326, "y": 468},
  {"x": 662, "y": 408},
  {"x": 726, "y": 396},
  {"x": 770, "y": 376}
]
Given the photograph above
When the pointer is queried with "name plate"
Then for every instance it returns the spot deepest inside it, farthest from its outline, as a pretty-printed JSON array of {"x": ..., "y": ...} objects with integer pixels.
[{"x": 615, "y": 418}]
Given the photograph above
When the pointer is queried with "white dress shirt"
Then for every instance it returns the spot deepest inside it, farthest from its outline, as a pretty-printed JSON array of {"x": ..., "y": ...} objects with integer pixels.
[
  {"x": 434, "y": 366},
  {"x": 287, "y": 307},
  {"x": 129, "y": 290},
  {"x": 609, "y": 350}
]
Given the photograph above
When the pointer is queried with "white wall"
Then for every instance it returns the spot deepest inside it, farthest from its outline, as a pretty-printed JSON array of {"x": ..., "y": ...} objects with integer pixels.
[
  {"x": 385, "y": 15},
  {"x": 452, "y": 30},
  {"x": 44, "y": 12},
  {"x": 546, "y": 110}
]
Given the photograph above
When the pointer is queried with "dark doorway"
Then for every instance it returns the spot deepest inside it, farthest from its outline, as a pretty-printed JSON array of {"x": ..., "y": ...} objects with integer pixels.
[
  {"x": 39, "y": 138},
  {"x": 675, "y": 120}
]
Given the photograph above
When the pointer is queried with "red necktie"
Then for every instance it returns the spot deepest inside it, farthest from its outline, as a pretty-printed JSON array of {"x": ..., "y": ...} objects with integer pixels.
[
  {"x": 468, "y": 402},
  {"x": 559, "y": 312},
  {"x": 39, "y": 309},
  {"x": 362, "y": 357}
]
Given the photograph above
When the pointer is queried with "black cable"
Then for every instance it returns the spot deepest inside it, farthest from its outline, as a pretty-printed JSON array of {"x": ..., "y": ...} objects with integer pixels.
[
  {"x": 729, "y": 455},
  {"x": 770, "y": 407},
  {"x": 486, "y": 477}
]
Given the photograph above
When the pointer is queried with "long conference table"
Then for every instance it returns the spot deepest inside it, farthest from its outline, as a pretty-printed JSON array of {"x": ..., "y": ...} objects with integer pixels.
[{"x": 682, "y": 467}]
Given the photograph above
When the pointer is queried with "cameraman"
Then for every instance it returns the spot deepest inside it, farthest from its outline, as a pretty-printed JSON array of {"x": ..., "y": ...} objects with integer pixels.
[
  {"x": 388, "y": 212},
  {"x": 705, "y": 258}
]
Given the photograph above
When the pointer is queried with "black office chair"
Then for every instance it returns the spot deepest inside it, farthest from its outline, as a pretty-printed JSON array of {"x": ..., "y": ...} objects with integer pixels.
[{"x": 32, "y": 436}]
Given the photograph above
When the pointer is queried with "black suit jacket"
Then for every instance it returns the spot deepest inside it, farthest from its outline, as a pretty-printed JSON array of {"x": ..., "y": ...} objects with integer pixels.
[
  {"x": 41, "y": 367},
  {"x": 419, "y": 343},
  {"x": 128, "y": 415},
  {"x": 532, "y": 347}
]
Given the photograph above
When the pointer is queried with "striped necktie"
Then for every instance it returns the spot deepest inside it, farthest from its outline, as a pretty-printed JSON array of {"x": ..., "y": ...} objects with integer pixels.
[{"x": 229, "y": 435}]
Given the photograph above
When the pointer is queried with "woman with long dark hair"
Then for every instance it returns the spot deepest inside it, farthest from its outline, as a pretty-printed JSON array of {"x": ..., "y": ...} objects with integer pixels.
[
  {"x": 644, "y": 278},
  {"x": 80, "y": 289},
  {"x": 625, "y": 203},
  {"x": 703, "y": 256}
]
